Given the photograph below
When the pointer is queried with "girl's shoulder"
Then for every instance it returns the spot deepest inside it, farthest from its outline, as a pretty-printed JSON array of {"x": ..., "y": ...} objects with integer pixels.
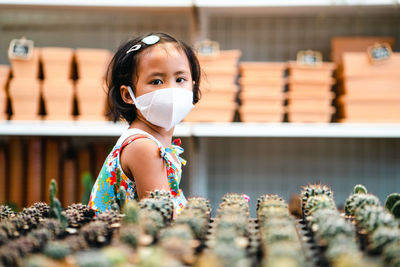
[{"x": 133, "y": 134}]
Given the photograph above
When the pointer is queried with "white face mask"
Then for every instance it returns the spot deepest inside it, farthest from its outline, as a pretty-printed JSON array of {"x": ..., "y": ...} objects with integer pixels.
[{"x": 164, "y": 107}]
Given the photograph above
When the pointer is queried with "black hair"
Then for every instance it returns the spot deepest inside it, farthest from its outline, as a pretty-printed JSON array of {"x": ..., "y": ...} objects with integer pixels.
[{"x": 124, "y": 65}]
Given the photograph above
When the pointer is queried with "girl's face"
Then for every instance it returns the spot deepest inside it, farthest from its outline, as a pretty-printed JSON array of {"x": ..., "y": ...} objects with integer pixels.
[{"x": 162, "y": 66}]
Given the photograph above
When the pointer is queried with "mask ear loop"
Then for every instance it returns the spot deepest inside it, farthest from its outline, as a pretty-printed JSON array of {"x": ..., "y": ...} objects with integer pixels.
[{"x": 133, "y": 97}]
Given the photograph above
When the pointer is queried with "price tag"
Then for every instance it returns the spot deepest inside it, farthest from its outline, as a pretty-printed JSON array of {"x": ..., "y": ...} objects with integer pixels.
[
  {"x": 379, "y": 52},
  {"x": 207, "y": 48},
  {"x": 309, "y": 58},
  {"x": 20, "y": 49}
]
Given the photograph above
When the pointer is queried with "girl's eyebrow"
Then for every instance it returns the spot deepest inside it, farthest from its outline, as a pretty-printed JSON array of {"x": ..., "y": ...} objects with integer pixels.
[
  {"x": 180, "y": 72},
  {"x": 156, "y": 74}
]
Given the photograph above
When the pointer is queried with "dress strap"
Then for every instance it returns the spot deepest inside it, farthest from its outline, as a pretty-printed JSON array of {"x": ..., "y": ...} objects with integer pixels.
[{"x": 131, "y": 139}]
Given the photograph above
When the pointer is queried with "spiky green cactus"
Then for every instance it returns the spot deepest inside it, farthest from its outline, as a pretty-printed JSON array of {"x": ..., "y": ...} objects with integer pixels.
[
  {"x": 391, "y": 201},
  {"x": 132, "y": 212},
  {"x": 383, "y": 236},
  {"x": 57, "y": 250},
  {"x": 360, "y": 189},
  {"x": 130, "y": 235},
  {"x": 95, "y": 233},
  {"x": 55, "y": 205}
]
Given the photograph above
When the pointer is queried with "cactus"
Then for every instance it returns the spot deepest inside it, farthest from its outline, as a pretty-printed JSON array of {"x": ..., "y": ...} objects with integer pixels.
[
  {"x": 359, "y": 201},
  {"x": 151, "y": 222},
  {"x": 383, "y": 236},
  {"x": 57, "y": 250},
  {"x": 55, "y": 205},
  {"x": 92, "y": 258},
  {"x": 130, "y": 234},
  {"x": 392, "y": 204},
  {"x": 391, "y": 253},
  {"x": 6, "y": 212},
  {"x": 360, "y": 189},
  {"x": 95, "y": 233},
  {"x": 78, "y": 214},
  {"x": 132, "y": 213},
  {"x": 371, "y": 217},
  {"x": 163, "y": 205}
]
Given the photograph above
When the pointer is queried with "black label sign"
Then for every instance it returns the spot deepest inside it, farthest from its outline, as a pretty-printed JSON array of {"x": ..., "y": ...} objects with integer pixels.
[
  {"x": 379, "y": 52},
  {"x": 20, "y": 49},
  {"x": 207, "y": 47},
  {"x": 309, "y": 58}
]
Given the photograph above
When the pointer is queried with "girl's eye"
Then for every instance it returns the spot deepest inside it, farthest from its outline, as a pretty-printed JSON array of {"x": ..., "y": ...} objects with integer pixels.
[
  {"x": 180, "y": 80},
  {"x": 156, "y": 82}
]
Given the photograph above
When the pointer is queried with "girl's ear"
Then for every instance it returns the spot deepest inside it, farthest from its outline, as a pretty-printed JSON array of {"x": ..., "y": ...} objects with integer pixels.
[{"x": 125, "y": 94}]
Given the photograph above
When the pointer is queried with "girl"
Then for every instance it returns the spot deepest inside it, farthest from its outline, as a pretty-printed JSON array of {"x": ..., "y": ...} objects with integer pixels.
[{"x": 153, "y": 82}]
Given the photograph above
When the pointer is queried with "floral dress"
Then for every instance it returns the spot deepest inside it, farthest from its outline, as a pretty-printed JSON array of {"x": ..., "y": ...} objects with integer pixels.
[{"x": 102, "y": 195}]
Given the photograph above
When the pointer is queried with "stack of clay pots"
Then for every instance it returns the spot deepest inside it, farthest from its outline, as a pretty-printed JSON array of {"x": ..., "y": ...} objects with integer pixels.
[
  {"x": 218, "y": 88},
  {"x": 371, "y": 91},
  {"x": 58, "y": 87},
  {"x": 341, "y": 45},
  {"x": 262, "y": 91},
  {"x": 4, "y": 75},
  {"x": 310, "y": 92},
  {"x": 90, "y": 86},
  {"x": 24, "y": 87}
]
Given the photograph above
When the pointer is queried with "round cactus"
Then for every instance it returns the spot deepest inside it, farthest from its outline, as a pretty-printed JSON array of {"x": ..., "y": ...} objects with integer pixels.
[
  {"x": 391, "y": 200},
  {"x": 360, "y": 189}
]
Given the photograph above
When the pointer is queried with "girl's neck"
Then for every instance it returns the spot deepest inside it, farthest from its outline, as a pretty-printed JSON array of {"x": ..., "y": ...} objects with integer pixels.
[{"x": 162, "y": 135}]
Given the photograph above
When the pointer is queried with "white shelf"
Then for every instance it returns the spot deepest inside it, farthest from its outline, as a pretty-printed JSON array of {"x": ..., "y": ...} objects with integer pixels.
[
  {"x": 200, "y": 3},
  {"x": 293, "y": 3},
  {"x": 100, "y": 3},
  {"x": 291, "y": 130},
  {"x": 71, "y": 128},
  {"x": 313, "y": 130}
]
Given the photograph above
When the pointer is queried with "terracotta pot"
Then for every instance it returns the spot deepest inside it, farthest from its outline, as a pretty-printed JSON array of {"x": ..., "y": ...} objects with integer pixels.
[
  {"x": 356, "y": 64},
  {"x": 315, "y": 88},
  {"x": 316, "y": 104},
  {"x": 261, "y": 117},
  {"x": 263, "y": 103},
  {"x": 320, "y": 72},
  {"x": 4, "y": 76},
  {"x": 323, "y": 109},
  {"x": 91, "y": 97},
  {"x": 58, "y": 97},
  {"x": 217, "y": 96},
  {"x": 340, "y": 45},
  {"x": 261, "y": 93},
  {"x": 227, "y": 56},
  {"x": 25, "y": 97},
  {"x": 215, "y": 82},
  {"x": 266, "y": 80},
  {"x": 370, "y": 120},
  {"x": 372, "y": 109},
  {"x": 215, "y": 114},
  {"x": 304, "y": 117},
  {"x": 375, "y": 87},
  {"x": 92, "y": 63},
  {"x": 57, "y": 63},
  {"x": 273, "y": 108},
  {"x": 26, "y": 69},
  {"x": 248, "y": 69},
  {"x": 311, "y": 94}
]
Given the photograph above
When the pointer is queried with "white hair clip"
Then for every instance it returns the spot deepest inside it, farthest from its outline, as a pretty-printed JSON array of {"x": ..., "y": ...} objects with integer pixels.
[{"x": 148, "y": 40}]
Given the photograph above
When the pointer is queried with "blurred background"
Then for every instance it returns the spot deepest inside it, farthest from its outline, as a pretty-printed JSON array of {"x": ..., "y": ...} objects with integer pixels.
[{"x": 270, "y": 120}]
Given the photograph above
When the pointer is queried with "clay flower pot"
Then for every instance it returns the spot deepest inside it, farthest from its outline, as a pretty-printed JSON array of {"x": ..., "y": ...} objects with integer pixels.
[
  {"x": 90, "y": 88},
  {"x": 57, "y": 84},
  {"x": 4, "y": 76},
  {"x": 24, "y": 88}
]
